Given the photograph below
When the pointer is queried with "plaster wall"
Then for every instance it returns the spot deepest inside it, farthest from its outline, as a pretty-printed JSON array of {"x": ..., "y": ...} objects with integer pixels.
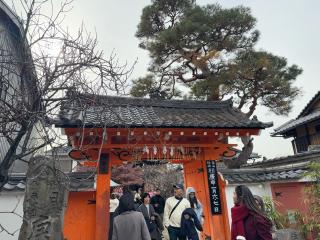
[
  {"x": 11, "y": 222},
  {"x": 261, "y": 189}
]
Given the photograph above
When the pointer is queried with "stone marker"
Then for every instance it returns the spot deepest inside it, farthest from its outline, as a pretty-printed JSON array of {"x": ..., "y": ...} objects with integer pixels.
[{"x": 45, "y": 201}]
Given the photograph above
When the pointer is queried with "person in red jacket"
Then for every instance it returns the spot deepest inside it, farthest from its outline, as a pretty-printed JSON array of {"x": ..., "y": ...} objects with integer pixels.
[{"x": 249, "y": 221}]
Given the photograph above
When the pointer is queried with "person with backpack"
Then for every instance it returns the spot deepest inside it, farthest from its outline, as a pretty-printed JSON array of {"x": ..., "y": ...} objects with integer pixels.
[
  {"x": 249, "y": 221},
  {"x": 152, "y": 219},
  {"x": 173, "y": 210}
]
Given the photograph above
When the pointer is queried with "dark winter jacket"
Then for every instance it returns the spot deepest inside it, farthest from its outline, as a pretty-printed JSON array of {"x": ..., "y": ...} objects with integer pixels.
[
  {"x": 158, "y": 203},
  {"x": 154, "y": 226},
  {"x": 189, "y": 224}
]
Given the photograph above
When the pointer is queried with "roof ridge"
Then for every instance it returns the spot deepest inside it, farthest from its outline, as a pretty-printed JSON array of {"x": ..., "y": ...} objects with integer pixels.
[
  {"x": 294, "y": 157},
  {"x": 312, "y": 100},
  {"x": 247, "y": 169},
  {"x": 113, "y": 111},
  {"x": 14, "y": 18},
  {"x": 292, "y": 124},
  {"x": 138, "y": 101}
]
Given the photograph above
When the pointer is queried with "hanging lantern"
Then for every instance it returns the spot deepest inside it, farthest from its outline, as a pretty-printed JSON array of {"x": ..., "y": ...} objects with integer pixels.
[
  {"x": 155, "y": 150},
  {"x": 171, "y": 151},
  {"x": 164, "y": 150},
  {"x": 145, "y": 150}
]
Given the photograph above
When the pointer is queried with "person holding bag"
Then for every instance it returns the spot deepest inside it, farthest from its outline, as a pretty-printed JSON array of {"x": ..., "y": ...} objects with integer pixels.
[
  {"x": 173, "y": 210},
  {"x": 152, "y": 219}
]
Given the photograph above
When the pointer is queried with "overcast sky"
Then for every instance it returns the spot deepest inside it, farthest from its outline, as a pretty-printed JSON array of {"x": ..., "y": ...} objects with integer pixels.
[{"x": 289, "y": 28}]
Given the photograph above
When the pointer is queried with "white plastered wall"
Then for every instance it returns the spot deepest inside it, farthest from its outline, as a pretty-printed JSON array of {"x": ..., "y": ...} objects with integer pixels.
[
  {"x": 11, "y": 222},
  {"x": 260, "y": 189}
]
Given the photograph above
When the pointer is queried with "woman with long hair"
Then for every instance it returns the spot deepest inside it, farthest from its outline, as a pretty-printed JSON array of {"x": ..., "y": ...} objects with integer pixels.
[
  {"x": 195, "y": 203},
  {"x": 249, "y": 221}
]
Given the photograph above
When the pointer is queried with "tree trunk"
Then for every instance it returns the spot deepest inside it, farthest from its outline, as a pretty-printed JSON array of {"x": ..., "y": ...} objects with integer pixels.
[
  {"x": 9, "y": 157},
  {"x": 252, "y": 107},
  {"x": 45, "y": 201},
  {"x": 215, "y": 94},
  {"x": 215, "y": 91}
]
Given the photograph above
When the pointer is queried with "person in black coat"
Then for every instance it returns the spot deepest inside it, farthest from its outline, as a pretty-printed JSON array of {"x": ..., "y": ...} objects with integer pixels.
[
  {"x": 152, "y": 219},
  {"x": 158, "y": 202},
  {"x": 189, "y": 225}
]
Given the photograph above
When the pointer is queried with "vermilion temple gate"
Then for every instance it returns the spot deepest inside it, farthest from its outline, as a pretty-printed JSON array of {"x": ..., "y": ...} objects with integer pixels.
[{"x": 112, "y": 130}]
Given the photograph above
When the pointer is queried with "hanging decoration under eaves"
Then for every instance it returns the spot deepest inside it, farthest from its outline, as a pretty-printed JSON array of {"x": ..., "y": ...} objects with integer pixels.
[{"x": 155, "y": 153}]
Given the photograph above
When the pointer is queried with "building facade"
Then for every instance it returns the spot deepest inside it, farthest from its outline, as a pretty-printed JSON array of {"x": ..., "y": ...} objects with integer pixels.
[{"x": 283, "y": 179}]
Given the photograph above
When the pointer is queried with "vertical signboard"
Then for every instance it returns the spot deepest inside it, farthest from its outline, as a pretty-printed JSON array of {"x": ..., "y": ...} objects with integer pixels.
[
  {"x": 215, "y": 200},
  {"x": 104, "y": 163}
]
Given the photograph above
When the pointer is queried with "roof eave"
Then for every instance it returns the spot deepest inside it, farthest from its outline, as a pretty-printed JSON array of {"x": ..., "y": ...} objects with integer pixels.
[
  {"x": 70, "y": 125},
  {"x": 309, "y": 105}
]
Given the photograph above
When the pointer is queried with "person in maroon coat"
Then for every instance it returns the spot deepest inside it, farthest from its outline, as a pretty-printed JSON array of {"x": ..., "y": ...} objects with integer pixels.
[{"x": 249, "y": 221}]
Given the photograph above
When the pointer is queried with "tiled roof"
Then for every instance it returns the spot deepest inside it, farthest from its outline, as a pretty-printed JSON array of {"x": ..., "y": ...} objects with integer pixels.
[
  {"x": 294, "y": 123},
  {"x": 11, "y": 15},
  {"x": 256, "y": 175},
  {"x": 313, "y": 155},
  {"x": 111, "y": 111},
  {"x": 78, "y": 182},
  {"x": 61, "y": 150},
  {"x": 271, "y": 170},
  {"x": 304, "y": 117},
  {"x": 306, "y": 109}
]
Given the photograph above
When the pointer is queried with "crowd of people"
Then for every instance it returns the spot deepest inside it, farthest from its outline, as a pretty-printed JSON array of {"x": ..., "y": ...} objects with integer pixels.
[{"x": 147, "y": 216}]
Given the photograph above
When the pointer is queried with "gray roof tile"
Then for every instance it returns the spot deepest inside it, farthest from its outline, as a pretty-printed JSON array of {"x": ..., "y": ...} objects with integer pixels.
[
  {"x": 78, "y": 181},
  {"x": 309, "y": 105},
  {"x": 305, "y": 116},
  {"x": 110, "y": 111},
  {"x": 294, "y": 123},
  {"x": 255, "y": 175},
  {"x": 291, "y": 159}
]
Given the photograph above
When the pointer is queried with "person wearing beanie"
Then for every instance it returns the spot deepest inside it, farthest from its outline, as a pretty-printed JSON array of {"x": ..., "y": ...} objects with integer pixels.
[{"x": 129, "y": 224}]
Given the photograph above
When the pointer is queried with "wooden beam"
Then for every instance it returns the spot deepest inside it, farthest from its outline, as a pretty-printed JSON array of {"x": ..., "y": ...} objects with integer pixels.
[
  {"x": 163, "y": 131},
  {"x": 141, "y": 145}
]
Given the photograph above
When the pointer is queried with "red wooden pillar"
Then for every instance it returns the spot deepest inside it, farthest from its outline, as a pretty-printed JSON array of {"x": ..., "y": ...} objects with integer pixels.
[
  {"x": 219, "y": 224},
  {"x": 194, "y": 177},
  {"x": 215, "y": 226},
  {"x": 103, "y": 198}
]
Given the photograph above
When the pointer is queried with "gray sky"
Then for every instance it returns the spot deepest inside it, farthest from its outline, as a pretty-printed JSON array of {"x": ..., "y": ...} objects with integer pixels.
[{"x": 289, "y": 28}]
